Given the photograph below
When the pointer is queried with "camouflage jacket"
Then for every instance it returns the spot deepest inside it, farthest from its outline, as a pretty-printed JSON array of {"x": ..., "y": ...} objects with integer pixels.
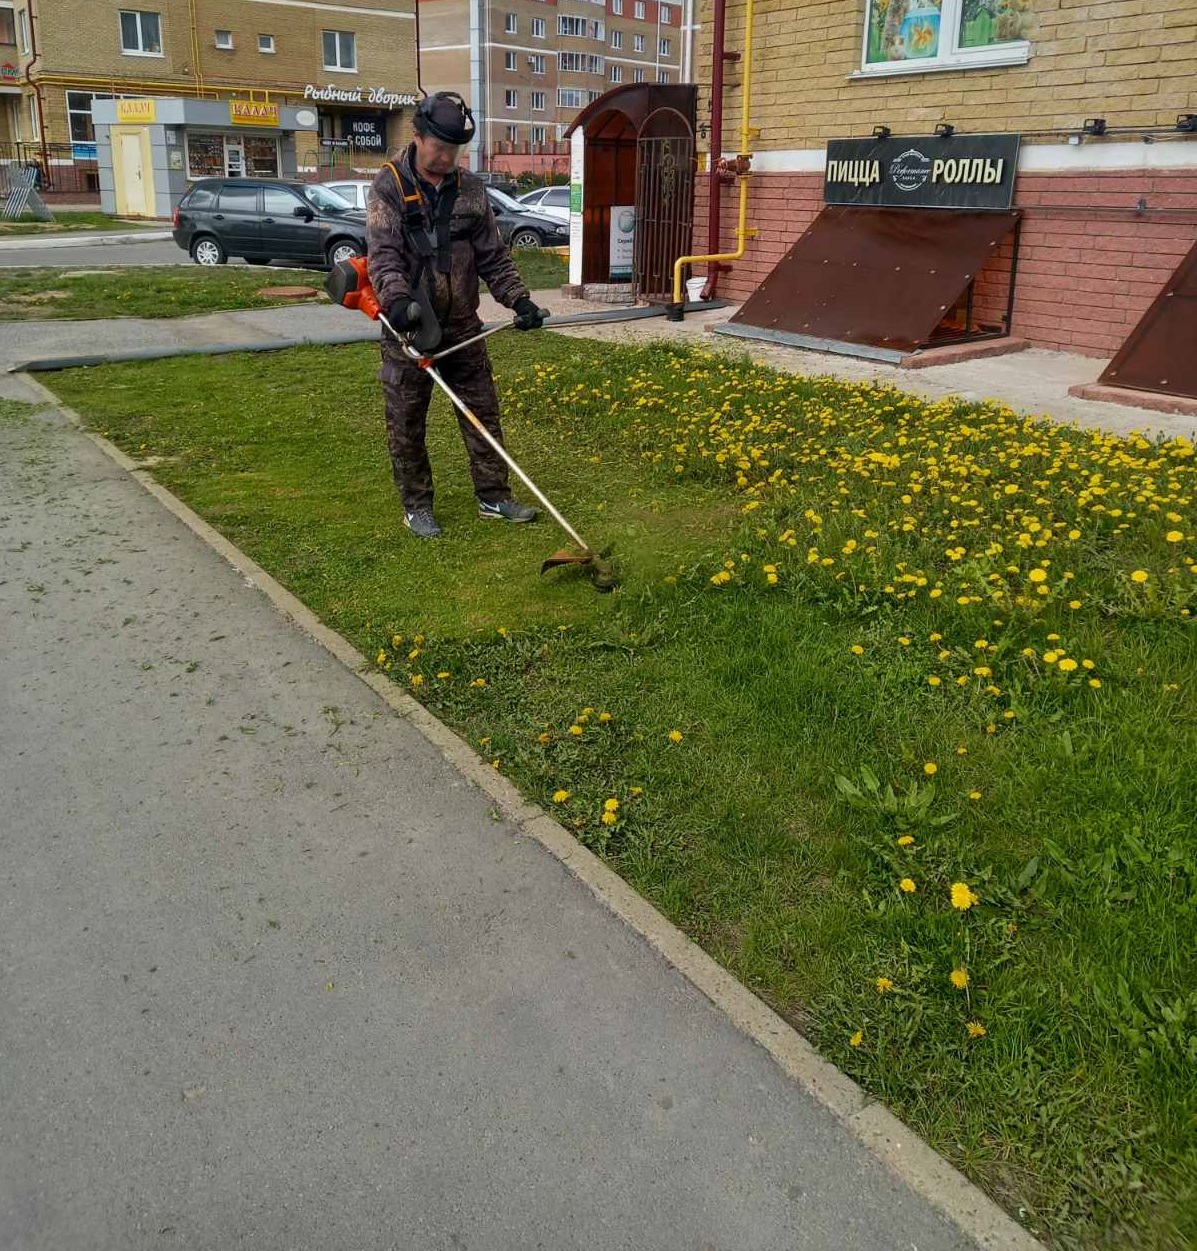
[{"x": 476, "y": 249}]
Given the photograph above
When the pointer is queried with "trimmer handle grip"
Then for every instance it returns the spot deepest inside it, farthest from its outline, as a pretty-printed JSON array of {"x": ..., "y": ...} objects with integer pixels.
[{"x": 348, "y": 284}]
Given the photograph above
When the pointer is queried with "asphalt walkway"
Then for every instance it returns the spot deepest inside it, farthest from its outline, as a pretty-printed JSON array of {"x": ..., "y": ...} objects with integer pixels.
[{"x": 276, "y": 974}]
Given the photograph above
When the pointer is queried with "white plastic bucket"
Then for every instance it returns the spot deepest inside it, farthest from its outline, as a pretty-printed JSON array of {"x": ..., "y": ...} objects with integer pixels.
[{"x": 694, "y": 288}]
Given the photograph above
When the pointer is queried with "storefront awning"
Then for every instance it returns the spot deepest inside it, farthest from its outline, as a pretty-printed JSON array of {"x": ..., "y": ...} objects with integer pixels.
[
  {"x": 881, "y": 279},
  {"x": 1158, "y": 354}
]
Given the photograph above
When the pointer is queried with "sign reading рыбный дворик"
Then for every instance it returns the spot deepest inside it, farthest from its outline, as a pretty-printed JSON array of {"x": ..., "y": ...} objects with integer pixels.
[{"x": 957, "y": 171}]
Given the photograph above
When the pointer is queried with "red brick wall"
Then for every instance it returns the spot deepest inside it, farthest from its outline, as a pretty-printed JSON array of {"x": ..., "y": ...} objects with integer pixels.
[{"x": 1089, "y": 265}]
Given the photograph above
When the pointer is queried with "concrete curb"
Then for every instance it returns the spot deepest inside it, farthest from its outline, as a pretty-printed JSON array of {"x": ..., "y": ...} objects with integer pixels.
[
  {"x": 905, "y": 1154},
  {"x": 83, "y": 240}
]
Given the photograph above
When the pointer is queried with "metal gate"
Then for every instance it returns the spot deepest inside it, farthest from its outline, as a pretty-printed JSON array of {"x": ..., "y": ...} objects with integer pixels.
[{"x": 664, "y": 202}]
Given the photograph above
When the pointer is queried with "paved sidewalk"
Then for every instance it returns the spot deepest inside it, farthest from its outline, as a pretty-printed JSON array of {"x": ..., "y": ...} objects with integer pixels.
[
  {"x": 277, "y": 975},
  {"x": 82, "y": 239}
]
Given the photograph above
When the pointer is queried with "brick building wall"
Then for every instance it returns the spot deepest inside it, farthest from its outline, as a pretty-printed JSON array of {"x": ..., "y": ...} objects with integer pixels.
[{"x": 1105, "y": 220}]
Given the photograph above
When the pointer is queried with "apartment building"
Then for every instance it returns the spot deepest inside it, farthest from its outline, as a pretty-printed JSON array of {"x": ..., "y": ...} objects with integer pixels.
[
  {"x": 528, "y": 67},
  {"x": 349, "y": 68}
]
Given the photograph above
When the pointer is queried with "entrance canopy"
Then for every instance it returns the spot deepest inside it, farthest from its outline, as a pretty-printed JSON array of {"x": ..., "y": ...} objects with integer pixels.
[{"x": 875, "y": 278}]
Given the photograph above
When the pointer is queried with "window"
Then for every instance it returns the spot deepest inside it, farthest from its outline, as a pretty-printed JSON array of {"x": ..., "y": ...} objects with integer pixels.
[
  {"x": 224, "y": 40},
  {"x": 662, "y": 78},
  {"x": 205, "y": 154},
  {"x": 538, "y": 28},
  {"x": 511, "y": 99},
  {"x": 663, "y": 45},
  {"x": 944, "y": 34},
  {"x": 278, "y": 202},
  {"x": 580, "y": 63},
  {"x": 638, "y": 9},
  {"x": 570, "y": 98},
  {"x": 617, "y": 38},
  {"x": 538, "y": 101},
  {"x": 666, "y": 15},
  {"x": 637, "y": 43},
  {"x": 23, "y": 19},
  {"x": 266, "y": 43},
  {"x": 617, "y": 73},
  {"x": 261, "y": 157},
  {"x": 638, "y": 76},
  {"x": 238, "y": 199},
  {"x": 513, "y": 134},
  {"x": 509, "y": 60},
  {"x": 35, "y": 126},
  {"x": 597, "y": 30},
  {"x": 79, "y": 123},
  {"x": 617, "y": 8},
  {"x": 538, "y": 134},
  {"x": 8, "y": 25},
  {"x": 536, "y": 63},
  {"x": 340, "y": 51},
  {"x": 511, "y": 24},
  {"x": 592, "y": 96},
  {"x": 572, "y": 26},
  {"x": 141, "y": 32}
]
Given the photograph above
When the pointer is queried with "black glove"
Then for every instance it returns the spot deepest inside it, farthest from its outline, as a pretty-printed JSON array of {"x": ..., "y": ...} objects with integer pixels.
[
  {"x": 527, "y": 315},
  {"x": 404, "y": 315}
]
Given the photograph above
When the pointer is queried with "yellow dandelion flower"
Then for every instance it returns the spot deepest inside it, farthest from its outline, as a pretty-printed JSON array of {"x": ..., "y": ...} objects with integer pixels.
[
  {"x": 963, "y": 898},
  {"x": 884, "y": 985},
  {"x": 1095, "y": 683},
  {"x": 1139, "y": 575},
  {"x": 934, "y": 681},
  {"x": 930, "y": 768},
  {"x": 907, "y": 886},
  {"x": 974, "y": 794},
  {"x": 576, "y": 730},
  {"x": 479, "y": 683},
  {"x": 417, "y": 679},
  {"x": 542, "y": 739},
  {"x": 1074, "y": 604},
  {"x": 381, "y": 658},
  {"x": 981, "y": 644},
  {"x": 959, "y": 978},
  {"x": 610, "y": 805},
  {"x": 609, "y": 818},
  {"x": 675, "y": 736},
  {"x": 636, "y": 790},
  {"x": 976, "y": 1029},
  {"x": 604, "y": 717},
  {"x": 1037, "y": 575},
  {"x": 1174, "y": 536},
  {"x": 444, "y": 673},
  {"x": 856, "y": 1038},
  {"x": 906, "y": 840},
  {"x": 903, "y": 640},
  {"x": 856, "y": 649},
  {"x": 559, "y": 797},
  {"x": 1067, "y": 665}
]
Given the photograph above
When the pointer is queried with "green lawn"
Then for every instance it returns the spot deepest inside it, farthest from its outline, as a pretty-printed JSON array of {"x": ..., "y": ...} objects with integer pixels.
[
  {"x": 184, "y": 290},
  {"x": 66, "y": 223},
  {"x": 894, "y": 711}
]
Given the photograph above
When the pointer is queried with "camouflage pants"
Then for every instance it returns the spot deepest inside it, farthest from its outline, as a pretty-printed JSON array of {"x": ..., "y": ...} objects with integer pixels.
[{"x": 408, "y": 390}]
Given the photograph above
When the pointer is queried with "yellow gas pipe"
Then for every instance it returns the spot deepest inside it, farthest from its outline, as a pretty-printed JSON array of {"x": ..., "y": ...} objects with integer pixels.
[{"x": 743, "y": 160}]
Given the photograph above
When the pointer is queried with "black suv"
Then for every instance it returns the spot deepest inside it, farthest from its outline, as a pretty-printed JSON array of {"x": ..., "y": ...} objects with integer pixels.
[{"x": 267, "y": 221}]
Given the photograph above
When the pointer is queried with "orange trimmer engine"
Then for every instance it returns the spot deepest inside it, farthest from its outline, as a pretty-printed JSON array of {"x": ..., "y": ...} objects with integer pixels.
[{"x": 348, "y": 284}]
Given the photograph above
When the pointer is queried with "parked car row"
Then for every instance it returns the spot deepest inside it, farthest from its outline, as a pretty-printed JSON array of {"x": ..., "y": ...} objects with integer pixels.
[{"x": 320, "y": 224}]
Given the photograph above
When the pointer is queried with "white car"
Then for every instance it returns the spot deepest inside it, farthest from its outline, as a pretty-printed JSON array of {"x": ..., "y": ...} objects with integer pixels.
[
  {"x": 552, "y": 201},
  {"x": 356, "y": 191}
]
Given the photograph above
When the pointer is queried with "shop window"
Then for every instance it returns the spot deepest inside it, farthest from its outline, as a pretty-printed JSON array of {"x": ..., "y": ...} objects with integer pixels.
[
  {"x": 8, "y": 25},
  {"x": 261, "y": 157},
  {"x": 340, "y": 51},
  {"x": 266, "y": 43},
  {"x": 224, "y": 40},
  {"x": 205, "y": 154},
  {"x": 909, "y": 36},
  {"x": 141, "y": 33},
  {"x": 538, "y": 28}
]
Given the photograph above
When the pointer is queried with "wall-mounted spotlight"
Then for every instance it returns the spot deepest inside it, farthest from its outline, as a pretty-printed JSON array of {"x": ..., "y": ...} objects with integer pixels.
[
  {"x": 1094, "y": 126},
  {"x": 881, "y": 132},
  {"x": 945, "y": 130}
]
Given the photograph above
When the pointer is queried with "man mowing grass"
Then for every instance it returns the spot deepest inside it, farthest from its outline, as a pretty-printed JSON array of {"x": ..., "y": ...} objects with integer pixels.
[{"x": 431, "y": 236}]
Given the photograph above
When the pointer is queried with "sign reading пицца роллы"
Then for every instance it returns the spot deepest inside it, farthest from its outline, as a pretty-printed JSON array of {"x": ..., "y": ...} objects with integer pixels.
[{"x": 925, "y": 171}]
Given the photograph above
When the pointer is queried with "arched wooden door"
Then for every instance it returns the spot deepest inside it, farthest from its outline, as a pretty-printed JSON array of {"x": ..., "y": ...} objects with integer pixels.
[{"x": 664, "y": 202}]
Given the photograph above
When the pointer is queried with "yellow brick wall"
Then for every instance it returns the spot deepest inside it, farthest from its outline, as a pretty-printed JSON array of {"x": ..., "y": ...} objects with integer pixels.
[{"x": 1132, "y": 62}]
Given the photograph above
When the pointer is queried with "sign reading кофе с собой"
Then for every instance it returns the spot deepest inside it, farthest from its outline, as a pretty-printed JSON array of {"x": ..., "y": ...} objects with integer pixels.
[{"x": 957, "y": 171}]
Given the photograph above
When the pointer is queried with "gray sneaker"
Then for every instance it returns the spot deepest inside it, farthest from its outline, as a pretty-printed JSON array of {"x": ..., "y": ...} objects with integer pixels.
[
  {"x": 422, "y": 523},
  {"x": 506, "y": 510}
]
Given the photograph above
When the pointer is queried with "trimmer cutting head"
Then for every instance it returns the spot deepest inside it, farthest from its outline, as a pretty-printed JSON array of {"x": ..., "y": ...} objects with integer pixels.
[{"x": 601, "y": 570}]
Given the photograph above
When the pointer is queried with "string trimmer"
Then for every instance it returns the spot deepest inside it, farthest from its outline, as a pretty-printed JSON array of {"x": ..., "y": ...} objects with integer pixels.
[{"x": 348, "y": 284}]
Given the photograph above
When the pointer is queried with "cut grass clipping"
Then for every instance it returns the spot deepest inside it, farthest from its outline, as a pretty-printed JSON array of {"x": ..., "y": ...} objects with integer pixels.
[
  {"x": 184, "y": 290},
  {"x": 894, "y": 712}
]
